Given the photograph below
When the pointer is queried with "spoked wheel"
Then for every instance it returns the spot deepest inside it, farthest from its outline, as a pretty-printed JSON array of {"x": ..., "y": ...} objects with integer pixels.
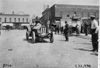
[
  {"x": 33, "y": 37},
  {"x": 51, "y": 38},
  {"x": 27, "y": 37}
]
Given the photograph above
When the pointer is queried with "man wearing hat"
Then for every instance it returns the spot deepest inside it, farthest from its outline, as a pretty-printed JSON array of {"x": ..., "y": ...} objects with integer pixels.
[
  {"x": 66, "y": 31},
  {"x": 34, "y": 25},
  {"x": 37, "y": 25},
  {"x": 94, "y": 32},
  {"x": 0, "y": 29}
]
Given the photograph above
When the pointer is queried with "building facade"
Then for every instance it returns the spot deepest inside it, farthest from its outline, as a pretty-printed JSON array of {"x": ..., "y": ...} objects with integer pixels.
[
  {"x": 60, "y": 11},
  {"x": 16, "y": 20}
]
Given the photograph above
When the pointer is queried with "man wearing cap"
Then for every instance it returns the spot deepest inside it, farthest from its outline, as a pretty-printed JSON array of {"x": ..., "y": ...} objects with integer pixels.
[
  {"x": 37, "y": 25},
  {"x": 34, "y": 25},
  {"x": 94, "y": 32}
]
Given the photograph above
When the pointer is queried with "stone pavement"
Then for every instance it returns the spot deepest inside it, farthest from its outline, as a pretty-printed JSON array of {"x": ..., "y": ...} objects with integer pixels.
[{"x": 17, "y": 52}]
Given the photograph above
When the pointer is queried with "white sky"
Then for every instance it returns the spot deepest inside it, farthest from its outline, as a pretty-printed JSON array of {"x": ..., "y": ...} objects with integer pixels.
[{"x": 36, "y": 6}]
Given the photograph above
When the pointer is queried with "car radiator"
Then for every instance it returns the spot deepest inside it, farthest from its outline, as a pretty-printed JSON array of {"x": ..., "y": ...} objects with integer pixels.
[{"x": 43, "y": 30}]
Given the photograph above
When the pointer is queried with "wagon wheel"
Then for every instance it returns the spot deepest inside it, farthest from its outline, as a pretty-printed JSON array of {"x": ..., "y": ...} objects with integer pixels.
[
  {"x": 27, "y": 37},
  {"x": 51, "y": 38},
  {"x": 33, "y": 37}
]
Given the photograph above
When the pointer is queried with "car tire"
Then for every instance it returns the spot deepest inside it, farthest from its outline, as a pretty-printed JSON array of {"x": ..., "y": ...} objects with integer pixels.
[
  {"x": 33, "y": 37},
  {"x": 51, "y": 38},
  {"x": 27, "y": 37}
]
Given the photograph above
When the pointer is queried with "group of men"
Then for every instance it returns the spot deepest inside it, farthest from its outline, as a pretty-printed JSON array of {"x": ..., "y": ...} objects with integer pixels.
[{"x": 94, "y": 32}]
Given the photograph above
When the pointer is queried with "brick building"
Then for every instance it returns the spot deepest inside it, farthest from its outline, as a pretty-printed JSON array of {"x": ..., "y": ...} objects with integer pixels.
[{"x": 60, "y": 11}]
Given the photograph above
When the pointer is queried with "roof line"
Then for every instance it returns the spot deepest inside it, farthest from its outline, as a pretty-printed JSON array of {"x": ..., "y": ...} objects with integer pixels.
[
  {"x": 76, "y": 5},
  {"x": 15, "y": 14}
]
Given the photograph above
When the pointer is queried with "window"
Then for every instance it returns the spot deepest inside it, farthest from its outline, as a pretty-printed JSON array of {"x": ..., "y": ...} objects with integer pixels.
[
  {"x": 26, "y": 19},
  {"x": 67, "y": 15},
  {"x": 95, "y": 14},
  {"x": 9, "y": 19},
  {"x": 0, "y": 19},
  {"x": 88, "y": 14},
  {"x": 5, "y": 19},
  {"x": 18, "y": 19},
  {"x": 23, "y": 19},
  {"x": 82, "y": 14},
  {"x": 60, "y": 13},
  {"x": 14, "y": 19},
  {"x": 74, "y": 12}
]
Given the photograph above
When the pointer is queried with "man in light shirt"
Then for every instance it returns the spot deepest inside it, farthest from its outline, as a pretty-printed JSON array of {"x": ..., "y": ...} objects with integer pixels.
[
  {"x": 34, "y": 26},
  {"x": 0, "y": 29},
  {"x": 94, "y": 32},
  {"x": 37, "y": 25}
]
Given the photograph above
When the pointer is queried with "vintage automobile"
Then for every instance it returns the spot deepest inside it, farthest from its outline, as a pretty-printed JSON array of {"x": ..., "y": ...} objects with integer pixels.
[
  {"x": 39, "y": 34},
  {"x": 75, "y": 25}
]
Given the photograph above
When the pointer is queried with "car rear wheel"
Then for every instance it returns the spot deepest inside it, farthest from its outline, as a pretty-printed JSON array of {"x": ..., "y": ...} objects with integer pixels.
[
  {"x": 51, "y": 38},
  {"x": 33, "y": 37},
  {"x": 27, "y": 37}
]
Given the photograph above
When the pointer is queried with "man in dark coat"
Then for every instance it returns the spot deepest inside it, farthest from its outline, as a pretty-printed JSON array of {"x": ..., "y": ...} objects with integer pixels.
[
  {"x": 66, "y": 31},
  {"x": 86, "y": 28}
]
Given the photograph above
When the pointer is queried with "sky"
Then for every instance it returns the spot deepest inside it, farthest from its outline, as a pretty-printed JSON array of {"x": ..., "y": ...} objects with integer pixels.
[{"x": 35, "y": 7}]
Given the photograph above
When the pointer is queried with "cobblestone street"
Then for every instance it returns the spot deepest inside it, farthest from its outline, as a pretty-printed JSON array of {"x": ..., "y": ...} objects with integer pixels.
[{"x": 17, "y": 52}]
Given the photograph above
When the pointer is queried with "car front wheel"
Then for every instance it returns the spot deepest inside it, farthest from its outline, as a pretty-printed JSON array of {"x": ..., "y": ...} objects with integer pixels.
[
  {"x": 27, "y": 37},
  {"x": 33, "y": 37}
]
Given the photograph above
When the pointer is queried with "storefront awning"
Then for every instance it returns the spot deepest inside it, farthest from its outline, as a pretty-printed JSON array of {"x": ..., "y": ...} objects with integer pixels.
[
  {"x": 24, "y": 24},
  {"x": 5, "y": 24}
]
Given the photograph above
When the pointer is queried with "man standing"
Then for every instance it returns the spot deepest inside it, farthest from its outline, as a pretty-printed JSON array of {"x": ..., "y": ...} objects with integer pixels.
[
  {"x": 66, "y": 31},
  {"x": 57, "y": 29},
  {"x": 77, "y": 29},
  {"x": 86, "y": 28},
  {"x": 94, "y": 32},
  {"x": 0, "y": 29}
]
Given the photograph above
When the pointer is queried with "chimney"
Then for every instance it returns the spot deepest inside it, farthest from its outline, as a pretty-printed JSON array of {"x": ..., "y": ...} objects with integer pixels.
[{"x": 47, "y": 6}]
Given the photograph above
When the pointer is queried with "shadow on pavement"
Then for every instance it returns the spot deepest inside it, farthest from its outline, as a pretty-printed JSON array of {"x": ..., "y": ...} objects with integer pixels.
[
  {"x": 85, "y": 43},
  {"x": 94, "y": 53},
  {"x": 84, "y": 37},
  {"x": 82, "y": 49},
  {"x": 61, "y": 40},
  {"x": 37, "y": 41}
]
